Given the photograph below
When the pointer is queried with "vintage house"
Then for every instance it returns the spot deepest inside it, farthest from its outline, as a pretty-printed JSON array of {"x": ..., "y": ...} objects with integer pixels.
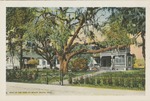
[
  {"x": 42, "y": 63},
  {"x": 13, "y": 61},
  {"x": 116, "y": 59}
]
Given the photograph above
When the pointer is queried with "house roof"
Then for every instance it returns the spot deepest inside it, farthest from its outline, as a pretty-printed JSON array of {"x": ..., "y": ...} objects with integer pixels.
[
  {"x": 26, "y": 54},
  {"x": 31, "y": 55}
]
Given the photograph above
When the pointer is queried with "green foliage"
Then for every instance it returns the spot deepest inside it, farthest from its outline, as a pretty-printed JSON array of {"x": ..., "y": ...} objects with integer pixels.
[
  {"x": 115, "y": 34},
  {"x": 32, "y": 76},
  {"x": 132, "y": 20},
  {"x": 20, "y": 75},
  {"x": 33, "y": 61},
  {"x": 16, "y": 28},
  {"x": 131, "y": 80},
  {"x": 80, "y": 64},
  {"x": 139, "y": 63}
]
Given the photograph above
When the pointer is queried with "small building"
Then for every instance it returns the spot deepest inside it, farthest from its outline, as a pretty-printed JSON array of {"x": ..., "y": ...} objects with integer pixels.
[
  {"x": 42, "y": 63},
  {"x": 116, "y": 59}
]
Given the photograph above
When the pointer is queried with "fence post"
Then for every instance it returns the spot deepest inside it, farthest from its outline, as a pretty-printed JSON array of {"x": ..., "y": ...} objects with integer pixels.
[
  {"x": 95, "y": 81},
  {"x": 47, "y": 78}
]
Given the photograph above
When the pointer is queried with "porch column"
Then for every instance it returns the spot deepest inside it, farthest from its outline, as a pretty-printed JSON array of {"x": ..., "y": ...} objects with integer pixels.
[
  {"x": 112, "y": 62},
  {"x": 125, "y": 61}
]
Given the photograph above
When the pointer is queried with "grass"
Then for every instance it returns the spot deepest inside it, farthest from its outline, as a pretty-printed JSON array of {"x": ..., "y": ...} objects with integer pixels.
[
  {"x": 128, "y": 73},
  {"x": 80, "y": 73},
  {"x": 108, "y": 87}
]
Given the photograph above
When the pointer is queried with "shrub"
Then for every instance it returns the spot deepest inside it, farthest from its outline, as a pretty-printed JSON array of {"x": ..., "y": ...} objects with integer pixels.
[
  {"x": 125, "y": 82},
  {"x": 139, "y": 63},
  {"x": 121, "y": 82},
  {"x": 86, "y": 80},
  {"x": 70, "y": 78},
  {"x": 92, "y": 80},
  {"x": 32, "y": 62},
  {"x": 95, "y": 81},
  {"x": 131, "y": 83},
  {"x": 81, "y": 80},
  {"x": 101, "y": 81},
  {"x": 98, "y": 81},
  {"x": 79, "y": 64}
]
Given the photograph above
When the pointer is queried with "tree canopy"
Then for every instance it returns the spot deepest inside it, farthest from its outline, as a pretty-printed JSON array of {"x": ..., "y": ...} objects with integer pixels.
[
  {"x": 132, "y": 20},
  {"x": 64, "y": 31},
  {"x": 16, "y": 20}
]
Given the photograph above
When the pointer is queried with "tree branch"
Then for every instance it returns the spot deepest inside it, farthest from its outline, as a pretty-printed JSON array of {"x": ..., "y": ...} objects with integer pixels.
[
  {"x": 75, "y": 34},
  {"x": 75, "y": 53},
  {"x": 105, "y": 49}
]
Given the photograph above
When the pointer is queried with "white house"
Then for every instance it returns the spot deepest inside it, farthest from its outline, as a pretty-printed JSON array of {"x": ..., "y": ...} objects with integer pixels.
[
  {"x": 116, "y": 59},
  {"x": 13, "y": 61}
]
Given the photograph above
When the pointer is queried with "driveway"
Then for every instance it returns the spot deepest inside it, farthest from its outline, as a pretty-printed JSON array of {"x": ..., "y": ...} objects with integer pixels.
[{"x": 43, "y": 89}]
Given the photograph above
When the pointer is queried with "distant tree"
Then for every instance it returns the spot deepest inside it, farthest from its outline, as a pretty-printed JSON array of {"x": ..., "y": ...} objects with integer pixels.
[
  {"x": 115, "y": 34},
  {"x": 131, "y": 19},
  {"x": 16, "y": 20}
]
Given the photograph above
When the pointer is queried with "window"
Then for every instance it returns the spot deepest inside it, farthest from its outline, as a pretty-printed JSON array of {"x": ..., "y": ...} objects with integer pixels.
[
  {"x": 48, "y": 63},
  {"x": 7, "y": 59},
  {"x": 106, "y": 61},
  {"x": 120, "y": 60},
  {"x": 129, "y": 61},
  {"x": 57, "y": 61},
  {"x": 44, "y": 62}
]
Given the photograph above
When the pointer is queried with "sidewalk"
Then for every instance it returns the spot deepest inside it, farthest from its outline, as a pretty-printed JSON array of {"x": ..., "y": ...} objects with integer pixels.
[{"x": 42, "y": 89}]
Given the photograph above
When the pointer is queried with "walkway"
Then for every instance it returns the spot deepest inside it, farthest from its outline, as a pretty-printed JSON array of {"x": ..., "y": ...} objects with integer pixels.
[{"x": 42, "y": 89}]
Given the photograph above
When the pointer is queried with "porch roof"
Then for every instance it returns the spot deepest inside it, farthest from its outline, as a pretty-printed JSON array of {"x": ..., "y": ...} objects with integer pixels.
[{"x": 31, "y": 55}]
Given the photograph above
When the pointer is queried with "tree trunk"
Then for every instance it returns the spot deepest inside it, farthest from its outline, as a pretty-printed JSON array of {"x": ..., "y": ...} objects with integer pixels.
[
  {"x": 12, "y": 57},
  {"x": 12, "y": 61},
  {"x": 50, "y": 64},
  {"x": 63, "y": 68},
  {"x": 21, "y": 51},
  {"x": 21, "y": 56},
  {"x": 143, "y": 46}
]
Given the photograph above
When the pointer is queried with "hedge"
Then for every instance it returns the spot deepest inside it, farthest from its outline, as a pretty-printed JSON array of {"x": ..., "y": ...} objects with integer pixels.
[
  {"x": 117, "y": 79},
  {"x": 31, "y": 76},
  {"x": 128, "y": 82}
]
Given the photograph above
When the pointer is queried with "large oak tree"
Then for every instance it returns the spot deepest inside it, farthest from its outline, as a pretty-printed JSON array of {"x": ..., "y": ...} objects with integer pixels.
[{"x": 66, "y": 30}]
